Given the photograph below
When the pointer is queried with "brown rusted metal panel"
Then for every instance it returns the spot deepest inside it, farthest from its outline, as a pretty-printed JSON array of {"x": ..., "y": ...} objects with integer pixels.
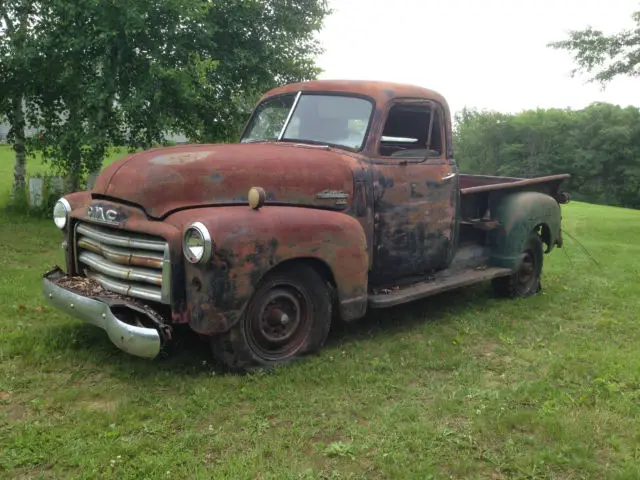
[
  {"x": 249, "y": 243},
  {"x": 414, "y": 219},
  {"x": 469, "y": 181},
  {"x": 209, "y": 175},
  {"x": 436, "y": 285},
  {"x": 512, "y": 184},
  {"x": 381, "y": 92}
]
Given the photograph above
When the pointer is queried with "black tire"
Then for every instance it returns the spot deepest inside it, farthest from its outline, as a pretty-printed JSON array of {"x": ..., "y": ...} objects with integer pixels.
[
  {"x": 261, "y": 338},
  {"x": 526, "y": 281}
]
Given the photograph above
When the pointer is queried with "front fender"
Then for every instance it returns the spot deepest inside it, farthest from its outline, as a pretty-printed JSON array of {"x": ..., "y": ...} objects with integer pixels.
[
  {"x": 249, "y": 243},
  {"x": 518, "y": 214}
]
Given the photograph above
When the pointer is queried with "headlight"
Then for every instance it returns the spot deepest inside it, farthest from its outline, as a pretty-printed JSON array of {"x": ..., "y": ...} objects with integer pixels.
[
  {"x": 61, "y": 212},
  {"x": 197, "y": 244}
]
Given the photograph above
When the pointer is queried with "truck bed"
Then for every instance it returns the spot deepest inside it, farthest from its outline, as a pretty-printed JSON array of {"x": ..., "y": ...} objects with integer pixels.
[
  {"x": 485, "y": 183},
  {"x": 476, "y": 189}
]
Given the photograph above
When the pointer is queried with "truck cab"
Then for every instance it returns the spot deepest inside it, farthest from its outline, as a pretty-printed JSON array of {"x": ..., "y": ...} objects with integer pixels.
[{"x": 341, "y": 196}]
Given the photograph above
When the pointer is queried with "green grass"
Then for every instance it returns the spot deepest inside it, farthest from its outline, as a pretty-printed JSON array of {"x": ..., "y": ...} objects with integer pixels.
[{"x": 461, "y": 386}]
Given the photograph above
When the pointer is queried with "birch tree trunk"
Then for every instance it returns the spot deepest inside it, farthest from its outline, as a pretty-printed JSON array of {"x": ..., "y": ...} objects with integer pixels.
[
  {"x": 72, "y": 180},
  {"x": 19, "y": 145}
]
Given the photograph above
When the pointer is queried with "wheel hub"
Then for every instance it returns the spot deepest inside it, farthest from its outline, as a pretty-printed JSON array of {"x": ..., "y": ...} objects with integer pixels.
[
  {"x": 526, "y": 267},
  {"x": 279, "y": 317}
]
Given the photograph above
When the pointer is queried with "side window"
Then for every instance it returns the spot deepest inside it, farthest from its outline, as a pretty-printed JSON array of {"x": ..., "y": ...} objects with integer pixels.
[{"x": 412, "y": 130}]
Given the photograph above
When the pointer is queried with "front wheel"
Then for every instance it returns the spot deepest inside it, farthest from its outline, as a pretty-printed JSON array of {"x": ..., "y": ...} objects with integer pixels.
[
  {"x": 526, "y": 280},
  {"x": 288, "y": 316}
]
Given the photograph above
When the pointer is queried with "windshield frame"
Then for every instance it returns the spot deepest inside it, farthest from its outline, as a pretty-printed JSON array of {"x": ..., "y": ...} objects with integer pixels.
[{"x": 297, "y": 94}]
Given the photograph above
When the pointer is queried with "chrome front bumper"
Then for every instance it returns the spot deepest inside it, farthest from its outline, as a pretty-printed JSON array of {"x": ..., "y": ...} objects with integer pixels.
[{"x": 139, "y": 341}]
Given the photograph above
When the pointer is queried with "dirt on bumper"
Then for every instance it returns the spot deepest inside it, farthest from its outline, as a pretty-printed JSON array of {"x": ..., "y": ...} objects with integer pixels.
[{"x": 131, "y": 326}]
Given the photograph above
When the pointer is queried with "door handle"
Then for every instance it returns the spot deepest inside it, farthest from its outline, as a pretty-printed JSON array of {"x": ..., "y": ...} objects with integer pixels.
[{"x": 448, "y": 177}]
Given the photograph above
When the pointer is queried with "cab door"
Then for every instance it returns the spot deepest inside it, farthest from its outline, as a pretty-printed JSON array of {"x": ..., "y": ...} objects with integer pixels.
[{"x": 415, "y": 193}]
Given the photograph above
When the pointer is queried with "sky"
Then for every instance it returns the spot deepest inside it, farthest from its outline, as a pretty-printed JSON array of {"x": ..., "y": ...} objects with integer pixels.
[{"x": 485, "y": 54}]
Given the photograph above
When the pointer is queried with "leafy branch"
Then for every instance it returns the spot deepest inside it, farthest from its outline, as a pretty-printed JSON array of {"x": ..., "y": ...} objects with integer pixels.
[{"x": 608, "y": 56}]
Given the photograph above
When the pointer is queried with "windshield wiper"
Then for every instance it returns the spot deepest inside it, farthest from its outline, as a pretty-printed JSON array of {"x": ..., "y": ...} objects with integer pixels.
[{"x": 286, "y": 122}]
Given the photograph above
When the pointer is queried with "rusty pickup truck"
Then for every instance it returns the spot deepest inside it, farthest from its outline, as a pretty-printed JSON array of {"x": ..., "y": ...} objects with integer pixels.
[{"x": 341, "y": 196}]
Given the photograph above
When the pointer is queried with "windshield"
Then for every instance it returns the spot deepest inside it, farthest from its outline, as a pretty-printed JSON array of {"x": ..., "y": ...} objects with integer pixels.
[{"x": 337, "y": 120}]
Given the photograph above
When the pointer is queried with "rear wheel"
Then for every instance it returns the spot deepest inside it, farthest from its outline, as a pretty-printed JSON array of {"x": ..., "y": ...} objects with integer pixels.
[
  {"x": 288, "y": 316},
  {"x": 526, "y": 280}
]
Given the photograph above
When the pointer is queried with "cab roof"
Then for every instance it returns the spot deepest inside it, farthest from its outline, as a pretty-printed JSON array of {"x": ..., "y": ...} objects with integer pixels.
[{"x": 380, "y": 92}]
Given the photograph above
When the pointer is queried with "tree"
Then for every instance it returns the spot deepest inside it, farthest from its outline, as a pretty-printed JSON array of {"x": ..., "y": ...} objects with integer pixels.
[
  {"x": 16, "y": 29},
  {"x": 119, "y": 73},
  {"x": 607, "y": 55},
  {"x": 599, "y": 146},
  {"x": 127, "y": 72},
  {"x": 260, "y": 44},
  {"x": 481, "y": 141}
]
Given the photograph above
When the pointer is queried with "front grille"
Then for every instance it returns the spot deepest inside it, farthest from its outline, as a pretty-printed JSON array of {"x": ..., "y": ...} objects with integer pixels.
[{"x": 123, "y": 262}]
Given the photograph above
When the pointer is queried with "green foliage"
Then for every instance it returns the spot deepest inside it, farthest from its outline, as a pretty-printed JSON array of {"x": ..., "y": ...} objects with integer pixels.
[
  {"x": 599, "y": 146},
  {"x": 259, "y": 44},
  {"x": 125, "y": 73},
  {"x": 608, "y": 55},
  {"x": 16, "y": 27},
  {"x": 17, "y": 79},
  {"x": 119, "y": 74}
]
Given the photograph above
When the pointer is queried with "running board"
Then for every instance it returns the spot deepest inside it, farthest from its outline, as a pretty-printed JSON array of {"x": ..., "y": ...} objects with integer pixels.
[{"x": 438, "y": 285}]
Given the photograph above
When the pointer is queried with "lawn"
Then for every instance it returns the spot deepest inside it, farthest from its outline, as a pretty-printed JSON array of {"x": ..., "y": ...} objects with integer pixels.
[{"x": 460, "y": 386}]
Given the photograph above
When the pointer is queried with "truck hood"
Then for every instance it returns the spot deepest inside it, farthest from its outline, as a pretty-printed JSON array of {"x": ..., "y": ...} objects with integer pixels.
[{"x": 167, "y": 179}]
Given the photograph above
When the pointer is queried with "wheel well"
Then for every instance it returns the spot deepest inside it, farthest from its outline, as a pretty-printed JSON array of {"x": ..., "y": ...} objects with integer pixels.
[
  {"x": 319, "y": 266},
  {"x": 545, "y": 234}
]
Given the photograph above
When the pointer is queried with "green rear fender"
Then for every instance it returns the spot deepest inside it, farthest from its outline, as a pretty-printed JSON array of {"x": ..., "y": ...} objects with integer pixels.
[{"x": 518, "y": 214}]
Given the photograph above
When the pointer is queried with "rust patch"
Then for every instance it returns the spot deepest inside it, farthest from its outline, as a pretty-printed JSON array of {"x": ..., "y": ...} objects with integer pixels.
[
  {"x": 249, "y": 243},
  {"x": 223, "y": 174},
  {"x": 142, "y": 259},
  {"x": 414, "y": 219},
  {"x": 480, "y": 183}
]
